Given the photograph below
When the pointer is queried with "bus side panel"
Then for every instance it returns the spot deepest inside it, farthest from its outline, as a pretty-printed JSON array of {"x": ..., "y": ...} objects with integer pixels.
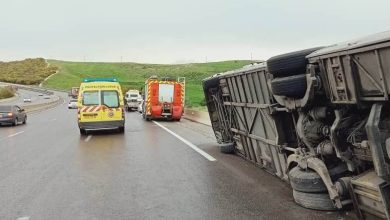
[{"x": 258, "y": 133}]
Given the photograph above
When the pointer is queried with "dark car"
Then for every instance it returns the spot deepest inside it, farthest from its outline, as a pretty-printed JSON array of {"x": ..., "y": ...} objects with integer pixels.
[{"x": 12, "y": 114}]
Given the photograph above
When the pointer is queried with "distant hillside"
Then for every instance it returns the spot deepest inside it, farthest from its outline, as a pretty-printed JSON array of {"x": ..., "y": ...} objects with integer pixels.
[
  {"x": 28, "y": 71},
  {"x": 133, "y": 75}
]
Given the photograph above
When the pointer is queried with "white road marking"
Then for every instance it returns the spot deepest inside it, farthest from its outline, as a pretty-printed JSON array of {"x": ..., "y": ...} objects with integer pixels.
[
  {"x": 23, "y": 218},
  {"x": 88, "y": 138},
  {"x": 15, "y": 134},
  {"x": 195, "y": 148},
  {"x": 53, "y": 119},
  {"x": 11, "y": 135}
]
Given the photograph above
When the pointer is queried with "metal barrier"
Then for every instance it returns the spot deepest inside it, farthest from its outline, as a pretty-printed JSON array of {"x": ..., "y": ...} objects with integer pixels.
[{"x": 42, "y": 106}]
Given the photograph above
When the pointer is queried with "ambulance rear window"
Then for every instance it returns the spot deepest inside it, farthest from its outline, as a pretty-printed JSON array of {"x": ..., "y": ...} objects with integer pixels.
[
  {"x": 110, "y": 99},
  {"x": 91, "y": 98}
]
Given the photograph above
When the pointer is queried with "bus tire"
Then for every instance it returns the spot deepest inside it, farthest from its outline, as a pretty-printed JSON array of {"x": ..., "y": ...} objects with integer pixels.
[
  {"x": 289, "y": 64},
  {"x": 227, "y": 148},
  {"x": 309, "y": 181},
  {"x": 316, "y": 201},
  {"x": 291, "y": 86}
]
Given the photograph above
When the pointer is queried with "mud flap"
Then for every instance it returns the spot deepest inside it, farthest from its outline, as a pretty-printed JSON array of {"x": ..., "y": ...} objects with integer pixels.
[{"x": 177, "y": 112}]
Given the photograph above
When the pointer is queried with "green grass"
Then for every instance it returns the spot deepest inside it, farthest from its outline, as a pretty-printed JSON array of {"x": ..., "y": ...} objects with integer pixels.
[
  {"x": 6, "y": 92},
  {"x": 28, "y": 71},
  {"x": 133, "y": 75}
]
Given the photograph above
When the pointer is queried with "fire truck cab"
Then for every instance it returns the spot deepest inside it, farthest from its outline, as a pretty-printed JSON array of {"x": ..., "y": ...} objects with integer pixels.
[{"x": 164, "y": 98}]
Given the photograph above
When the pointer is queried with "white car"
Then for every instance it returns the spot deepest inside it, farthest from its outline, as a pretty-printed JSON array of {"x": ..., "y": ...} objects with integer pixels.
[
  {"x": 133, "y": 99},
  {"x": 72, "y": 104},
  {"x": 140, "y": 106},
  {"x": 26, "y": 99}
]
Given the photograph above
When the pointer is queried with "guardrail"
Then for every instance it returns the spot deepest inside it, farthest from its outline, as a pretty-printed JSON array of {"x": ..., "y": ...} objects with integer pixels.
[
  {"x": 57, "y": 90},
  {"x": 42, "y": 106},
  {"x": 43, "y": 91},
  {"x": 29, "y": 88}
]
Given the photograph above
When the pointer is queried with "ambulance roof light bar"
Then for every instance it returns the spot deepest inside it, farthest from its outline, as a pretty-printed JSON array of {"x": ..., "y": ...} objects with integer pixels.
[{"x": 100, "y": 80}]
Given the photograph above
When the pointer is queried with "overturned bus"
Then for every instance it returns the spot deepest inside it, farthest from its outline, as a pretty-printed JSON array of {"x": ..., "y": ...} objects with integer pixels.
[{"x": 317, "y": 118}]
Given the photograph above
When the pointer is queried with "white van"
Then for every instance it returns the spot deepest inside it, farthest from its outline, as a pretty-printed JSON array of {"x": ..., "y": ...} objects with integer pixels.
[{"x": 133, "y": 100}]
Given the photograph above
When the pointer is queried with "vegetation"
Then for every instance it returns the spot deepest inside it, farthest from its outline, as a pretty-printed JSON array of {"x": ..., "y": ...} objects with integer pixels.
[
  {"x": 133, "y": 75},
  {"x": 28, "y": 71},
  {"x": 6, "y": 92}
]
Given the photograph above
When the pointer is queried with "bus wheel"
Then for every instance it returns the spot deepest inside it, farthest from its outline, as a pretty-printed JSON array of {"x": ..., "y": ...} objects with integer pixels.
[
  {"x": 309, "y": 181},
  {"x": 316, "y": 201},
  {"x": 226, "y": 148}
]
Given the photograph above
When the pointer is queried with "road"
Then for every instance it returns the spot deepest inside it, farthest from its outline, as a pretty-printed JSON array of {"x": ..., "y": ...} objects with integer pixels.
[
  {"x": 49, "y": 171},
  {"x": 35, "y": 98}
]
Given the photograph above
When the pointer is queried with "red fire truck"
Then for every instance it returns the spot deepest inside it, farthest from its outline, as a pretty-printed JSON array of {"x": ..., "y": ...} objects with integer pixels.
[{"x": 164, "y": 98}]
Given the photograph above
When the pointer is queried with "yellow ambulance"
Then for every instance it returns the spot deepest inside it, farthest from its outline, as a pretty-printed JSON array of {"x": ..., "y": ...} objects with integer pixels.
[{"x": 100, "y": 105}]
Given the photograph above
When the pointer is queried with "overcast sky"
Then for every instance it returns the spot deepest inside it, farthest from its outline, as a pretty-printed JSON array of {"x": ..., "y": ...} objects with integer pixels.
[{"x": 177, "y": 31}]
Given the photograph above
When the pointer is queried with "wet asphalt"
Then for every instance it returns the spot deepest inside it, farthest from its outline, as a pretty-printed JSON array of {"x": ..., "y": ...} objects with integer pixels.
[
  {"x": 49, "y": 171},
  {"x": 34, "y": 96}
]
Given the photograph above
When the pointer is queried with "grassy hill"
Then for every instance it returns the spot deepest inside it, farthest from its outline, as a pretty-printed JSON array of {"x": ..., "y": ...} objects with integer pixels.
[
  {"x": 6, "y": 92},
  {"x": 133, "y": 75},
  {"x": 28, "y": 71}
]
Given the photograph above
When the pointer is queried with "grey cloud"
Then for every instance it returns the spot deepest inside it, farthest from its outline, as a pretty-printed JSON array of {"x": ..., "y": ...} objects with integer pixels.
[{"x": 172, "y": 30}]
